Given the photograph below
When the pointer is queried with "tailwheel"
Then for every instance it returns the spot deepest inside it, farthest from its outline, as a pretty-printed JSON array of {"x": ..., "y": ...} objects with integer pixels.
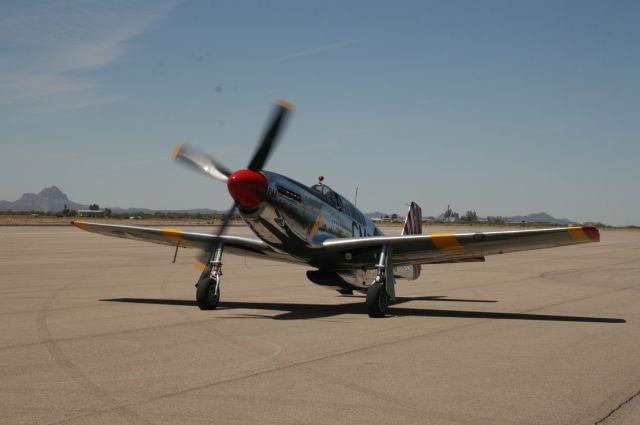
[
  {"x": 208, "y": 293},
  {"x": 377, "y": 300}
]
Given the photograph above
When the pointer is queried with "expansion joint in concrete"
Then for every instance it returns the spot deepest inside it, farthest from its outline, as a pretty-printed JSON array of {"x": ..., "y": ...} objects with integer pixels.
[{"x": 620, "y": 406}]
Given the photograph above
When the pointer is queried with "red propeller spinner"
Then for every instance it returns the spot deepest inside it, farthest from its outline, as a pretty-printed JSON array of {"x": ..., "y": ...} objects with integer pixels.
[{"x": 247, "y": 187}]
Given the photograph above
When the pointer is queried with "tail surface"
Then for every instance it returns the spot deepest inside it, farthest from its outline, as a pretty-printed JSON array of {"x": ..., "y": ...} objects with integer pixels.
[
  {"x": 413, "y": 221},
  {"x": 412, "y": 226}
]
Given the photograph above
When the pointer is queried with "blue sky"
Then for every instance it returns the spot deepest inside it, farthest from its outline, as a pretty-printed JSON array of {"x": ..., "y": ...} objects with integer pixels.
[{"x": 498, "y": 106}]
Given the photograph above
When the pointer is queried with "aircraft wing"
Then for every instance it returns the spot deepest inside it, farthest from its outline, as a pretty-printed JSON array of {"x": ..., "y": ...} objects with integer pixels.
[
  {"x": 450, "y": 247},
  {"x": 238, "y": 245}
]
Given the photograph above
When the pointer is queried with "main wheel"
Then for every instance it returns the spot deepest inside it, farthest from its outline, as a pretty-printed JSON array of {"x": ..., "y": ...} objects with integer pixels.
[
  {"x": 205, "y": 294},
  {"x": 377, "y": 300}
]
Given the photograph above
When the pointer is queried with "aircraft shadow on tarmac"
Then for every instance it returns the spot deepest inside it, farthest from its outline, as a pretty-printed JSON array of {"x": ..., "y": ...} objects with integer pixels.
[{"x": 314, "y": 311}]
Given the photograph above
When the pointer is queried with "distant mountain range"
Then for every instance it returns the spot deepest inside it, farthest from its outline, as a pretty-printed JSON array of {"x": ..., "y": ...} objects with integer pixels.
[
  {"x": 53, "y": 199},
  {"x": 377, "y": 214},
  {"x": 50, "y": 199},
  {"x": 541, "y": 217}
]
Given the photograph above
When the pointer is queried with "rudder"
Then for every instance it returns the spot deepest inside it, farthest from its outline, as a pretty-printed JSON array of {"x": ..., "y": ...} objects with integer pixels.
[
  {"x": 413, "y": 221},
  {"x": 412, "y": 226}
]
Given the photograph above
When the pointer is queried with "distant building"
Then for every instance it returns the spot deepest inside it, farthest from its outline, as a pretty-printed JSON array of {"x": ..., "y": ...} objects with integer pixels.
[
  {"x": 449, "y": 216},
  {"x": 454, "y": 217},
  {"x": 90, "y": 213}
]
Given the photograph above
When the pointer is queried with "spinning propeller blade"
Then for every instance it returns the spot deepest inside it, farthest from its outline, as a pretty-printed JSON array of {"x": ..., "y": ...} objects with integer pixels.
[
  {"x": 271, "y": 136},
  {"x": 247, "y": 186},
  {"x": 202, "y": 259},
  {"x": 200, "y": 161}
]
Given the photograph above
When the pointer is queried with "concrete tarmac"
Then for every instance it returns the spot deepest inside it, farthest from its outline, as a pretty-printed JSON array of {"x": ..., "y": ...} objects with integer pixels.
[{"x": 98, "y": 330}]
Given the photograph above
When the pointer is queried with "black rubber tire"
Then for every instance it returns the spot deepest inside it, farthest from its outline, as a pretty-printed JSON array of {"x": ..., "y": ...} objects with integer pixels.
[
  {"x": 377, "y": 300},
  {"x": 205, "y": 294}
]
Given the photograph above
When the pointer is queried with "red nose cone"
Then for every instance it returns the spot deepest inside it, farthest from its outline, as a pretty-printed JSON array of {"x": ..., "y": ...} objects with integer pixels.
[{"x": 247, "y": 187}]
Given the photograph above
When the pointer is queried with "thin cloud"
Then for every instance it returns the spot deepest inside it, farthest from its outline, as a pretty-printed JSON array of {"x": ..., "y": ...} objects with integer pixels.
[
  {"x": 51, "y": 49},
  {"x": 50, "y": 91},
  {"x": 314, "y": 51}
]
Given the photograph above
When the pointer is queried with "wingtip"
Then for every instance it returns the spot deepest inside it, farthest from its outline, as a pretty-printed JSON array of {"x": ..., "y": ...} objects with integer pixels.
[{"x": 592, "y": 233}]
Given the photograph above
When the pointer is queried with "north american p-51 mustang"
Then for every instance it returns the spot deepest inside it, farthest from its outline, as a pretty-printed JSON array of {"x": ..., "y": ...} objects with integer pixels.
[{"x": 317, "y": 227}]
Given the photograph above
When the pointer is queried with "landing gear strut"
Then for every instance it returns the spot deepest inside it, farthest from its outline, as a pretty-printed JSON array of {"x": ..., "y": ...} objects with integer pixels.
[
  {"x": 382, "y": 290},
  {"x": 208, "y": 286}
]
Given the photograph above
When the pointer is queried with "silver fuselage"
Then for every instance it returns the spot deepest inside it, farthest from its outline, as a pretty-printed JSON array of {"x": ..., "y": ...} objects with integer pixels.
[{"x": 297, "y": 219}]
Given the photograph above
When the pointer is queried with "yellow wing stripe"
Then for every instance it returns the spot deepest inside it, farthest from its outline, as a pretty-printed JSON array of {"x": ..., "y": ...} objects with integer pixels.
[
  {"x": 174, "y": 235},
  {"x": 578, "y": 234},
  {"x": 447, "y": 242}
]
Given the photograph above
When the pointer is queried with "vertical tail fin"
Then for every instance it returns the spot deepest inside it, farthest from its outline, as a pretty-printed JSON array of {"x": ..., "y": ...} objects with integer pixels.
[
  {"x": 412, "y": 226},
  {"x": 413, "y": 221}
]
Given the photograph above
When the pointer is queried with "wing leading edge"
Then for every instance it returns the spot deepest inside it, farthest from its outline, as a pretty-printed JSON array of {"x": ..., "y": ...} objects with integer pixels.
[
  {"x": 450, "y": 247},
  {"x": 363, "y": 252},
  {"x": 237, "y": 245}
]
